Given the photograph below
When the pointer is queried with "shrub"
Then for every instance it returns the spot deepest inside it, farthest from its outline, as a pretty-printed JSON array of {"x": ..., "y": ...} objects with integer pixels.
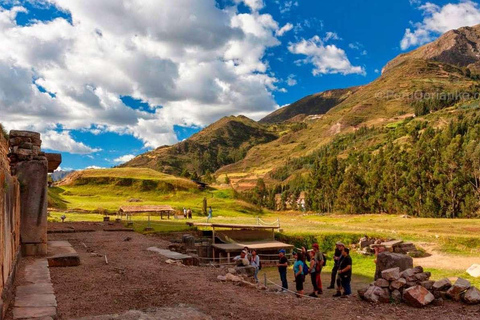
[{"x": 3, "y": 131}]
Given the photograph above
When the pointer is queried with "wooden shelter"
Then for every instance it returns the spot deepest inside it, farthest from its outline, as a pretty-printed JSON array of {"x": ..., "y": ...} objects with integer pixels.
[
  {"x": 229, "y": 240},
  {"x": 147, "y": 209}
]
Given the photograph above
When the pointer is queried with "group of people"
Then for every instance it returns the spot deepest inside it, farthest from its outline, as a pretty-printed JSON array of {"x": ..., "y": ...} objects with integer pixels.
[
  {"x": 249, "y": 258},
  {"x": 311, "y": 263},
  {"x": 187, "y": 213}
]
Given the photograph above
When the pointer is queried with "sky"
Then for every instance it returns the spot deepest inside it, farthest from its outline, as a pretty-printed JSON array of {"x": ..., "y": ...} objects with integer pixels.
[{"x": 106, "y": 80}]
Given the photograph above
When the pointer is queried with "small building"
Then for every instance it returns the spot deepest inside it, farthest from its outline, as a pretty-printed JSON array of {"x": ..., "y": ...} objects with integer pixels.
[{"x": 150, "y": 210}]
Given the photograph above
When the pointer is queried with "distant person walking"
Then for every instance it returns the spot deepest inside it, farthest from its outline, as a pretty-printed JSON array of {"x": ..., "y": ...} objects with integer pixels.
[
  {"x": 336, "y": 260},
  {"x": 185, "y": 213},
  {"x": 345, "y": 274},
  {"x": 298, "y": 270},
  {"x": 210, "y": 213},
  {"x": 282, "y": 269},
  {"x": 189, "y": 213},
  {"x": 255, "y": 262}
]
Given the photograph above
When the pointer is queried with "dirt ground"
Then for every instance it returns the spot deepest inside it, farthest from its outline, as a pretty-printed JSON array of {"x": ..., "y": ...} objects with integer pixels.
[{"x": 139, "y": 279}]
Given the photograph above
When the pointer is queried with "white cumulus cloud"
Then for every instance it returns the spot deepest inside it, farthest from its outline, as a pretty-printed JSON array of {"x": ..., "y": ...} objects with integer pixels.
[
  {"x": 191, "y": 61},
  {"x": 284, "y": 29},
  {"x": 124, "y": 158},
  {"x": 326, "y": 59},
  {"x": 438, "y": 20}
]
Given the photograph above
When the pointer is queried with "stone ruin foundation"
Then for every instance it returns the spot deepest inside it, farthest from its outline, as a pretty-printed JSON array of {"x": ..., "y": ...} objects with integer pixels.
[{"x": 24, "y": 172}]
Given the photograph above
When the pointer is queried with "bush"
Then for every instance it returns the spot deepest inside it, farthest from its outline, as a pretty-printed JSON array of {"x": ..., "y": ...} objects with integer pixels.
[{"x": 3, "y": 131}]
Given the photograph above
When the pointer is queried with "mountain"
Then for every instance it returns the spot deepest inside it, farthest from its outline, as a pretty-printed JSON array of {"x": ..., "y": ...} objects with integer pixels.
[
  {"x": 413, "y": 85},
  {"x": 315, "y": 104},
  {"x": 224, "y": 142},
  {"x": 59, "y": 175},
  {"x": 456, "y": 47}
]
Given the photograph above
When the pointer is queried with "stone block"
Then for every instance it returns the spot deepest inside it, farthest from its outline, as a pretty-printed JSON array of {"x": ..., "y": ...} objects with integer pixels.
[
  {"x": 391, "y": 274},
  {"x": 398, "y": 284},
  {"x": 36, "y": 300},
  {"x": 408, "y": 273},
  {"x": 24, "y": 134},
  {"x": 388, "y": 260},
  {"x": 474, "y": 270},
  {"x": 442, "y": 285},
  {"x": 471, "y": 296},
  {"x": 37, "y": 288},
  {"x": 418, "y": 296},
  {"x": 427, "y": 284},
  {"x": 460, "y": 286},
  {"x": 54, "y": 160},
  {"x": 64, "y": 260},
  {"x": 32, "y": 176},
  {"x": 382, "y": 283},
  {"x": 34, "y": 312},
  {"x": 423, "y": 276},
  {"x": 376, "y": 294},
  {"x": 396, "y": 296}
]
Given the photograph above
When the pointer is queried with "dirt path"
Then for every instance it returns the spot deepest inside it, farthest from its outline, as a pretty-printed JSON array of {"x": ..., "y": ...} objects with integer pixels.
[
  {"x": 440, "y": 260},
  {"x": 138, "y": 279}
]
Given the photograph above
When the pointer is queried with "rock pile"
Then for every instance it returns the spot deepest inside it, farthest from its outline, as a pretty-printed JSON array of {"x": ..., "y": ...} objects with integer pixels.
[
  {"x": 414, "y": 287},
  {"x": 24, "y": 146},
  {"x": 241, "y": 276},
  {"x": 368, "y": 245}
]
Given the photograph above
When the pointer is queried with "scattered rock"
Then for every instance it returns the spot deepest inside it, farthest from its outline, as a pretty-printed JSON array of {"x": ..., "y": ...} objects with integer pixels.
[
  {"x": 471, "y": 296},
  {"x": 398, "y": 284},
  {"x": 427, "y": 284},
  {"x": 247, "y": 270},
  {"x": 438, "y": 302},
  {"x": 408, "y": 273},
  {"x": 376, "y": 294},
  {"x": 442, "y": 285},
  {"x": 382, "y": 283},
  {"x": 233, "y": 278},
  {"x": 423, "y": 276},
  {"x": 391, "y": 274},
  {"x": 418, "y": 269},
  {"x": 460, "y": 286},
  {"x": 396, "y": 296},
  {"x": 127, "y": 239},
  {"x": 222, "y": 278},
  {"x": 232, "y": 270},
  {"x": 418, "y": 296}
]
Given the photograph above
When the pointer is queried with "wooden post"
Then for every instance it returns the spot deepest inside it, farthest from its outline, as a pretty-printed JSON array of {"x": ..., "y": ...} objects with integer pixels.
[{"x": 213, "y": 254}]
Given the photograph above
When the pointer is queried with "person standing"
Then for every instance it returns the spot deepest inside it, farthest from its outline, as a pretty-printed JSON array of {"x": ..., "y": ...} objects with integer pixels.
[
  {"x": 312, "y": 270},
  {"x": 185, "y": 213},
  {"x": 319, "y": 266},
  {"x": 282, "y": 269},
  {"x": 298, "y": 269},
  {"x": 255, "y": 262},
  {"x": 345, "y": 273},
  {"x": 336, "y": 259}
]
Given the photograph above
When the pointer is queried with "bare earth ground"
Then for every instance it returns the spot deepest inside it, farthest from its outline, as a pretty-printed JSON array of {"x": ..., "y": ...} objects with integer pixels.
[
  {"x": 138, "y": 279},
  {"x": 440, "y": 260}
]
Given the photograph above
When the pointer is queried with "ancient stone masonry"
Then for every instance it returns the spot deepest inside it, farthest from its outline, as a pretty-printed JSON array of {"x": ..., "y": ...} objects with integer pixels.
[{"x": 9, "y": 226}]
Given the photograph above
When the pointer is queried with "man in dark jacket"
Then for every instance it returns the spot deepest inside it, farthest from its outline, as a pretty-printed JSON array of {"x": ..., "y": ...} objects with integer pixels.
[
  {"x": 345, "y": 274},
  {"x": 336, "y": 259}
]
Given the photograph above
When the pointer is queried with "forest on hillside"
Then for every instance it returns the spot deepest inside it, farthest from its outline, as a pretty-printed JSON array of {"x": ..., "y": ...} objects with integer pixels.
[{"x": 415, "y": 167}]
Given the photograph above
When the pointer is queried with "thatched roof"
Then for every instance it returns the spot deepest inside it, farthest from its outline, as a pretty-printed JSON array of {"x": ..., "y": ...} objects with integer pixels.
[{"x": 145, "y": 209}]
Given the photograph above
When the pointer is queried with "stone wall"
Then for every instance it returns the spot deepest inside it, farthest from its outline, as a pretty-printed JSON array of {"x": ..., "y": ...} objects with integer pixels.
[{"x": 9, "y": 225}]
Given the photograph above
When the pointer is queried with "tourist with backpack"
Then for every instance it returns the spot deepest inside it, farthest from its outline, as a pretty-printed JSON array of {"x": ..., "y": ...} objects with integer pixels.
[
  {"x": 299, "y": 271},
  {"x": 282, "y": 269},
  {"x": 255, "y": 262},
  {"x": 320, "y": 262}
]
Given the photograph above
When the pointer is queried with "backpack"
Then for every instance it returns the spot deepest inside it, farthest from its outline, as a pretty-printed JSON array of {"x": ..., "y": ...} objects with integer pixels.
[{"x": 324, "y": 260}]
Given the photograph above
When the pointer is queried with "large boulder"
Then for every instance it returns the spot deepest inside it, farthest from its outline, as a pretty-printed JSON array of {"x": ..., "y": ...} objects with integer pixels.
[
  {"x": 376, "y": 294},
  {"x": 460, "y": 286},
  {"x": 391, "y": 274},
  {"x": 388, "y": 260},
  {"x": 471, "y": 296},
  {"x": 442, "y": 285},
  {"x": 418, "y": 296}
]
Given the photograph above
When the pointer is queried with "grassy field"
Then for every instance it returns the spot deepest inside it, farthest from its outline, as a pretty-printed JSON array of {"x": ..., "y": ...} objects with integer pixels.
[{"x": 104, "y": 191}]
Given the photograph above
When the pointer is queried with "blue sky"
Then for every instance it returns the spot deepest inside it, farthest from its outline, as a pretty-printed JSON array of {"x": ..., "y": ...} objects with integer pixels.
[{"x": 104, "y": 81}]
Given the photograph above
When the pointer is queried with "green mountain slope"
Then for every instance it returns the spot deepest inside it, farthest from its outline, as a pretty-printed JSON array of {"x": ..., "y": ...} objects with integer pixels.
[
  {"x": 222, "y": 143},
  {"x": 315, "y": 104}
]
